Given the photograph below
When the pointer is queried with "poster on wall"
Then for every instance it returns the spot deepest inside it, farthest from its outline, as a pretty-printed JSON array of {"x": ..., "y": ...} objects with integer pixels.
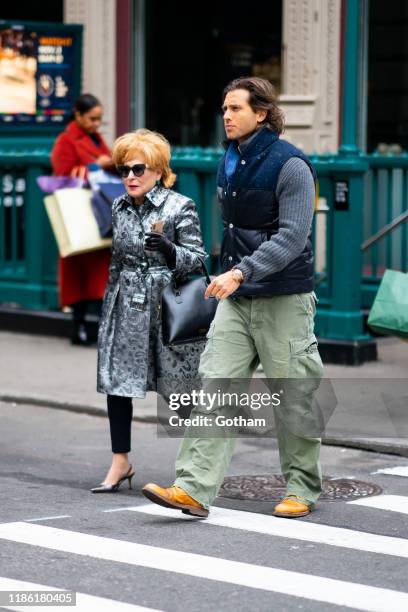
[{"x": 38, "y": 73}]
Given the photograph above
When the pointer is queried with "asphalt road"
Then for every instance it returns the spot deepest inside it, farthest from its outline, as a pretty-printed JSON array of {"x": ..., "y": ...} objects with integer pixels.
[{"x": 122, "y": 550}]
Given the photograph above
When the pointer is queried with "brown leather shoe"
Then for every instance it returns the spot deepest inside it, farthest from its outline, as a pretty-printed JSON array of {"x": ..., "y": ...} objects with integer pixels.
[
  {"x": 174, "y": 497},
  {"x": 291, "y": 507}
]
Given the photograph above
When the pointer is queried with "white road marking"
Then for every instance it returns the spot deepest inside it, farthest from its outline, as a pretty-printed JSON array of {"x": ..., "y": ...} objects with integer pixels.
[
  {"x": 399, "y": 470},
  {"x": 328, "y": 590},
  {"x": 47, "y": 518},
  {"x": 395, "y": 503},
  {"x": 84, "y": 602},
  {"x": 118, "y": 509},
  {"x": 285, "y": 528}
]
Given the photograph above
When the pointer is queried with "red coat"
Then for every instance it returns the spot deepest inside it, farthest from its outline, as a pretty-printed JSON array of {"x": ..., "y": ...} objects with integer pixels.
[{"x": 80, "y": 277}]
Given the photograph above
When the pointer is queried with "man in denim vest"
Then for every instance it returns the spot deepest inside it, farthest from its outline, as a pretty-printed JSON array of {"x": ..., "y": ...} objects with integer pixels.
[{"x": 266, "y": 191}]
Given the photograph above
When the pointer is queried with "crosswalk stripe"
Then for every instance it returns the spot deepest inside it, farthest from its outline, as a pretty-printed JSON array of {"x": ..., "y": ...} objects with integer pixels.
[
  {"x": 47, "y": 518},
  {"x": 395, "y": 503},
  {"x": 328, "y": 590},
  {"x": 299, "y": 530},
  {"x": 399, "y": 470},
  {"x": 84, "y": 602}
]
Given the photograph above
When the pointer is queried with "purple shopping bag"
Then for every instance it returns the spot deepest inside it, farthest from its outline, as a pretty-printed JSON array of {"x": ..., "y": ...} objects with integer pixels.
[{"x": 49, "y": 184}]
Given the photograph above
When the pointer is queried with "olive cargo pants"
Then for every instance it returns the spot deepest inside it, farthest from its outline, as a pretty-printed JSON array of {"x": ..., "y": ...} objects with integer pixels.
[{"x": 278, "y": 332}]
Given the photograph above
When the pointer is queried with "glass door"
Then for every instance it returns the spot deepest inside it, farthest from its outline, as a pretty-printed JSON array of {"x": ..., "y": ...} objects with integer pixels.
[{"x": 190, "y": 51}]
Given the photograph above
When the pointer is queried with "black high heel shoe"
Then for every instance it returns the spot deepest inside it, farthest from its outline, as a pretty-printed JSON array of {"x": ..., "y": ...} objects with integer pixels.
[
  {"x": 105, "y": 488},
  {"x": 80, "y": 335}
]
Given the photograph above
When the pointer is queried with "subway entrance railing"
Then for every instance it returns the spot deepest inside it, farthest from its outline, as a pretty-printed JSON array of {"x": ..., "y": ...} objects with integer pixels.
[
  {"x": 385, "y": 201},
  {"x": 28, "y": 253},
  {"x": 357, "y": 197}
]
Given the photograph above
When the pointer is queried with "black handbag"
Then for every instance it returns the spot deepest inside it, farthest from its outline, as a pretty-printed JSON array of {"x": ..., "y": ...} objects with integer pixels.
[{"x": 186, "y": 315}]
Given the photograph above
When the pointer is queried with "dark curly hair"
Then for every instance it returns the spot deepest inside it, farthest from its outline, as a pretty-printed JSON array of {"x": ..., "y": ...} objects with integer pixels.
[{"x": 262, "y": 96}]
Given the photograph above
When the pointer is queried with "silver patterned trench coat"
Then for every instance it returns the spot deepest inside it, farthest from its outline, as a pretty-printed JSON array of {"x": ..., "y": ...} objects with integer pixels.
[{"x": 131, "y": 355}]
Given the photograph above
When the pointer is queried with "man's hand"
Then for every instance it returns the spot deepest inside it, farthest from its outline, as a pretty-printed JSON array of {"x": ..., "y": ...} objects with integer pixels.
[{"x": 222, "y": 286}]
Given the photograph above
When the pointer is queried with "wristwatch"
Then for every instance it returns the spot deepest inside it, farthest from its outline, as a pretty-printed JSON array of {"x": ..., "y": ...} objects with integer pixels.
[{"x": 237, "y": 275}]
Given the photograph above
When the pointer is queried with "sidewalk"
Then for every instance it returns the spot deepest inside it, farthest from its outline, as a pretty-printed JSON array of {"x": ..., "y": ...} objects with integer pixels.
[{"x": 51, "y": 372}]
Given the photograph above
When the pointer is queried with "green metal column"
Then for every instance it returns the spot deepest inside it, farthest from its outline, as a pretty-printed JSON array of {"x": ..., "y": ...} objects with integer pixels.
[
  {"x": 351, "y": 77},
  {"x": 344, "y": 319}
]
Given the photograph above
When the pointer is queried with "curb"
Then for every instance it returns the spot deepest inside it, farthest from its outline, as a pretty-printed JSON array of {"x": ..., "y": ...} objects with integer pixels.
[
  {"x": 373, "y": 446},
  {"x": 42, "y": 401},
  {"x": 45, "y": 402}
]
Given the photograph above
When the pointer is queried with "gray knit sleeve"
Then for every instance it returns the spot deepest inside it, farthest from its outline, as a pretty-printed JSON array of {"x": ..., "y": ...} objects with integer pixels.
[{"x": 295, "y": 193}]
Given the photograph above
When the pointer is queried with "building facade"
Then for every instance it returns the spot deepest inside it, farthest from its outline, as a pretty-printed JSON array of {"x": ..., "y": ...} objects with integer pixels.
[
  {"x": 300, "y": 55},
  {"x": 339, "y": 67}
]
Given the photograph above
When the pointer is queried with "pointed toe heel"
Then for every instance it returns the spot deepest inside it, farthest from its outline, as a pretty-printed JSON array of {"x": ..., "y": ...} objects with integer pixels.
[{"x": 113, "y": 488}]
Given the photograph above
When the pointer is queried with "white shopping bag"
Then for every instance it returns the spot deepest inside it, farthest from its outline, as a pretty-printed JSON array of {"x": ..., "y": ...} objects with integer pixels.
[{"x": 73, "y": 222}]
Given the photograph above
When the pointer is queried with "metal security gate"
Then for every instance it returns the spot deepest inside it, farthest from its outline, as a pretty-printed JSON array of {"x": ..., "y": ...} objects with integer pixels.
[
  {"x": 28, "y": 254},
  {"x": 357, "y": 198},
  {"x": 385, "y": 200}
]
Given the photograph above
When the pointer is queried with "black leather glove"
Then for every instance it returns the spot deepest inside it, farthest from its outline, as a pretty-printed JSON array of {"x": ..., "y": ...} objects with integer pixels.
[{"x": 159, "y": 242}]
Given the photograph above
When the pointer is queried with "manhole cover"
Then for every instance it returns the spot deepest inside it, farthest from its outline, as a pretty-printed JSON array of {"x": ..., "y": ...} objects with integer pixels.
[{"x": 271, "y": 487}]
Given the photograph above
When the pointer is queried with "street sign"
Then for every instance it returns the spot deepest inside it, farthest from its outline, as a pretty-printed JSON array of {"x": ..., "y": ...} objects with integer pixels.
[{"x": 341, "y": 195}]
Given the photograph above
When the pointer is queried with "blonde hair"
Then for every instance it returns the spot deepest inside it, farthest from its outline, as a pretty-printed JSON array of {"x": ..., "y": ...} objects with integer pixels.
[{"x": 152, "y": 147}]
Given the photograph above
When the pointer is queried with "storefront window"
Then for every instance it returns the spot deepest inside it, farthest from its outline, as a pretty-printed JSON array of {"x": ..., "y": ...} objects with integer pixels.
[
  {"x": 27, "y": 10},
  {"x": 387, "y": 129},
  {"x": 192, "y": 50}
]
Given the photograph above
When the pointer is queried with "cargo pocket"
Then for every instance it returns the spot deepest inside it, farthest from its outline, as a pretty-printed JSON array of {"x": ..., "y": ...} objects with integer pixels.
[{"x": 305, "y": 361}]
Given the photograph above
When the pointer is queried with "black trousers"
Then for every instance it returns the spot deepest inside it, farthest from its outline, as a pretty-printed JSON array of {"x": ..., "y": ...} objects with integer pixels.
[
  {"x": 82, "y": 308},
  {"x": 120, "y": 412}
]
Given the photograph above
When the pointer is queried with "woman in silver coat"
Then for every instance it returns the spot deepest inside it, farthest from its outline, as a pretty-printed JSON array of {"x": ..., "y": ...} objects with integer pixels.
[{"x": 156, "y": 233}]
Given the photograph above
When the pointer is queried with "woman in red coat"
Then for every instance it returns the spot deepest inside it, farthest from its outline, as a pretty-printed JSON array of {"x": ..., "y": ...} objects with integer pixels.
[{"x": 82, "y": 278}]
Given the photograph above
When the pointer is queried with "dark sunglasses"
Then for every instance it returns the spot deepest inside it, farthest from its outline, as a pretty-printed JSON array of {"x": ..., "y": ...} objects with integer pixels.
[{"x": 137, "y": 169}]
